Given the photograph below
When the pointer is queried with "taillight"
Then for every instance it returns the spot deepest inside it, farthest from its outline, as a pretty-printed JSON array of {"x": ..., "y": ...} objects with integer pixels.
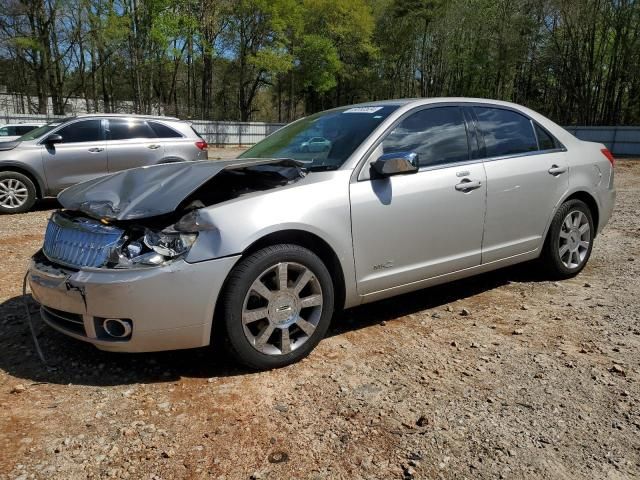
[
  {"x": 609, "y": 155},
  {"x": 202, "y": 145}
]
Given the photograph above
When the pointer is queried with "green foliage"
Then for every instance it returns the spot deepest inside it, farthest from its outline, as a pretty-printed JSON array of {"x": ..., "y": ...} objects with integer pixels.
[
  {"x": 575, "y": 60},
  {"x": 319, "y": 63}
]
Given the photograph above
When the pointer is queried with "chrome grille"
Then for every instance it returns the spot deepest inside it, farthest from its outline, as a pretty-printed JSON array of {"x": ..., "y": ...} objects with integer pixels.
[{"x": 79, "y": 242}]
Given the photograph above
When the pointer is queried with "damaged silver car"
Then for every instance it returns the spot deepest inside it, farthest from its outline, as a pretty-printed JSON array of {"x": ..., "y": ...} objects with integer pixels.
[{"x": 262, "y": 250}]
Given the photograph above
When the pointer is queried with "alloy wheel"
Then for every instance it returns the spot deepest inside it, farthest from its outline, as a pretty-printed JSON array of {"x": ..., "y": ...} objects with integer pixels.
[
  {"x": 574, "y": 239},
  {"x": 13, "y": 193},
  {"x": 282, "y": 308}
]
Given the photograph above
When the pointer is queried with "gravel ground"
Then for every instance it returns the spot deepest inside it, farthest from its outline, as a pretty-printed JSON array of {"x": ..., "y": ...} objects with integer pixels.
[
  {"x": 504, "y": 375},
  {"x": 225, "y": 153}
]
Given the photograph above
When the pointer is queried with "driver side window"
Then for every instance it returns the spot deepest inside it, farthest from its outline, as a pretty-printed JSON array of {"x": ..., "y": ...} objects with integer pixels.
[
  {"x": 84, "y": 131},
  {"x": 438, "y": 135}
]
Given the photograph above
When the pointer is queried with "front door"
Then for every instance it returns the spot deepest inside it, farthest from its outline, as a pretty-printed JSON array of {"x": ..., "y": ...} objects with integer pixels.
[
  {"x": 80, "y": 156},
  {"x": 413, "y": 227}
]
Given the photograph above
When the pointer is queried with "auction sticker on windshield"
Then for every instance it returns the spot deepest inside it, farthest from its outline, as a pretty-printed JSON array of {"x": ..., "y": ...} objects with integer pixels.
[{"x": 363, "y": 110}]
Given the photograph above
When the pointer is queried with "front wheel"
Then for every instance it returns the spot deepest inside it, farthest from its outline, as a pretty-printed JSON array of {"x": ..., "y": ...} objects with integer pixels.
[
  {"x": 570, "y": 240},
  {"x": 277, "y": 306},
  {"x": 17, "y": 192}
]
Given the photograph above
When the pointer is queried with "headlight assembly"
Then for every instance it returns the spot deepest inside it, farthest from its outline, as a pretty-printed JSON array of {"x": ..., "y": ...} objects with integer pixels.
[
  {"x": 154, "y": 248},
  {"x": 169, "y": 245}
]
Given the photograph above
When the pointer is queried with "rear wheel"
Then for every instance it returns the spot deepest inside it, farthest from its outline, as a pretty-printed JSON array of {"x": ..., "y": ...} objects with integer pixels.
[
  {"x": 17, "y": 192},
  {"x": 278, "y": 304},
  {"x": 570, "y": 240}
]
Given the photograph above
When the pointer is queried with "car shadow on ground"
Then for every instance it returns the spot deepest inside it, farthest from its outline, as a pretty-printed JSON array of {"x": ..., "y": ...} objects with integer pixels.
[
  {"x": 46, "y": 204},
  {"x": 75, "y": 362}
]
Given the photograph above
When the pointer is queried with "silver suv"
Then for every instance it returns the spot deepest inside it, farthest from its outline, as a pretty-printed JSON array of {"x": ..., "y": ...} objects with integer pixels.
[{"x": 53, "y": 157}]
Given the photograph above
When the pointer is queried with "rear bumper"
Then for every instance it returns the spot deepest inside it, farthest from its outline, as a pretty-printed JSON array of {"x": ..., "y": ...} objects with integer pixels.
[
  {"x": 607, "y": 203},
  {"x": 169, "y": 307}
]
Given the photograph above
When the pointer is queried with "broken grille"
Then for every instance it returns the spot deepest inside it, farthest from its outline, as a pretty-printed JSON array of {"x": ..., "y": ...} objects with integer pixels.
[{"x": 79, "y": 242}]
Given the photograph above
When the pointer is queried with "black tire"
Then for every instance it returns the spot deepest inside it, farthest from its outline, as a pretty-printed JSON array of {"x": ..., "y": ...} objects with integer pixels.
[
  {"x": 550, "y": 257},
  {"x": 237, "y": 287},
  {"x": 32, "y": 195}
]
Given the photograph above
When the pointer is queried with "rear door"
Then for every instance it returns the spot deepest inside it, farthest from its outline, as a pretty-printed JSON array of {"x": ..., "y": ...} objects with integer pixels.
[
  {"x": 131, "y": 142},
  {"x": 527, "y": 174},
  {"x": 79, "y": 157},
  {"x": 179, "y": 146}
]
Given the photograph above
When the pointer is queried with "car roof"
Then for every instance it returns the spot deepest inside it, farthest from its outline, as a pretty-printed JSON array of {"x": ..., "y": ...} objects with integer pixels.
[
  {"x": 429, "y": 100},
  {"x": 123, "y": 115},
  {"x": 22, "y": 124}
]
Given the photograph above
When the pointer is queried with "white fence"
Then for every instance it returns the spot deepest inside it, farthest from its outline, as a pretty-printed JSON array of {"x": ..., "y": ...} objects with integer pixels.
[
  {"x": 622, "y": 141},
  {"x": 234, "y": 133}
]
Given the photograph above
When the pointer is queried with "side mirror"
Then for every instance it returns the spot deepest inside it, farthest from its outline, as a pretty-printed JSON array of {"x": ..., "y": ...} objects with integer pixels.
[
  {"x": 53, "y": 139},
  {"x": 397, "y": 163}
]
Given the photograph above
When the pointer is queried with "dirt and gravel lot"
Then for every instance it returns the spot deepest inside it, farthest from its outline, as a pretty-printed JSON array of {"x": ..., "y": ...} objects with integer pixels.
[{"x": 505, "y": 375}]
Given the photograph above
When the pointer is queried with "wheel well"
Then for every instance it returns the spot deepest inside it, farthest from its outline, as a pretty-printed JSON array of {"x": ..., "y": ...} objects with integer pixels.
[
  {"x": 591, "y": 203},
  {"x": 314, "y": 243},
  {"x": 303, "y": 239},
  {"x": 26, "y": 173}
]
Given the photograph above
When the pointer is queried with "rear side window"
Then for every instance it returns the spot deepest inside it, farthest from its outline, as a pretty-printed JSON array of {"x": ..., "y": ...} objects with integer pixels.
[
  {"x": 162, "y": 131},
  {"x": 22, "y": 129},
  {"x": 84, "y": 131},
  {"x": 505, "y": 132},
  {"x": 545, "y": 140},
  {"x": 437, "y": 135},
  {"x": 6, "y": 131},
  {"x": 126, "y": 129}
]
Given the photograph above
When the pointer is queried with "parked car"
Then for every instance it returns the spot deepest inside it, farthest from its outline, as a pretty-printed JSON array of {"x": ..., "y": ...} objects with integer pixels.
[
  {"x": 53, "y": 157},
  {"x": 315, "y": 144},
  {"x": 12, "y": 131},
  {"x": 260, "y": 251}
]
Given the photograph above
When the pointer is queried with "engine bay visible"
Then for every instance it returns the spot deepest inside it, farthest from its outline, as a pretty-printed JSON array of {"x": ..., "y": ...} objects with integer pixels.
[{"x": 234, "y": 183}]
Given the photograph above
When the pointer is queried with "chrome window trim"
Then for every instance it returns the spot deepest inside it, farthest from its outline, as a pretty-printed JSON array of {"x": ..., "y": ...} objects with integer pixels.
[{"x": 523, "y": 154}]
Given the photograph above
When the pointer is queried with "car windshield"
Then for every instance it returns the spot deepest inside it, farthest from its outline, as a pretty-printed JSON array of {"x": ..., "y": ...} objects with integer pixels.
[
  {"x": 325, "y": 140},
  {"x": 38, "y": 132}
]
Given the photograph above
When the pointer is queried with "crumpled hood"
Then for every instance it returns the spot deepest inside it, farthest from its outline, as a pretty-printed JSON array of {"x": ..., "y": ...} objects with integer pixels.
[
  {"x": 149, "y": 191},
  {"x": 4, "y": 146}
]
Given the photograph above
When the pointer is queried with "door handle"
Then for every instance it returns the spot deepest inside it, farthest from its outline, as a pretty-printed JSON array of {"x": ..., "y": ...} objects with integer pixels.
[
  {"x": 555, "y": 170},
  {"x": 467, "y": 185},
  {"x": 96, "y": 149},
  {"x": 153, "y": 147}
]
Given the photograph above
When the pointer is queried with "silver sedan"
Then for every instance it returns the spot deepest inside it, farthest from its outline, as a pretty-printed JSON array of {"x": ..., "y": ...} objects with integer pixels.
[{"x": 264, "y": 249}]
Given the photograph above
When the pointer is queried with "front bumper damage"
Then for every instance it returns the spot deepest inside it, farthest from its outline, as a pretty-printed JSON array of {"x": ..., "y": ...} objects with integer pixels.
[
  {"x": 129, "y": 264},
  {"x": 169, "y": 307}
]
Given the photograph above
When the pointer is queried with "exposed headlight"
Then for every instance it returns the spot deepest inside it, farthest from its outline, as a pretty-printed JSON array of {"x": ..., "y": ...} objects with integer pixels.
[
  {"x": 154, "y": 248},
  {"x": 169, "y": 245}
]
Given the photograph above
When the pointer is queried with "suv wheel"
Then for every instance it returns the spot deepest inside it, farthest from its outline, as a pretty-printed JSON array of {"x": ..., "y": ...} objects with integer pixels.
[
  {"x": 570, "y": 240},
  {"x": 17, "y": 192},
  {"x": 278, "y": 304}
]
